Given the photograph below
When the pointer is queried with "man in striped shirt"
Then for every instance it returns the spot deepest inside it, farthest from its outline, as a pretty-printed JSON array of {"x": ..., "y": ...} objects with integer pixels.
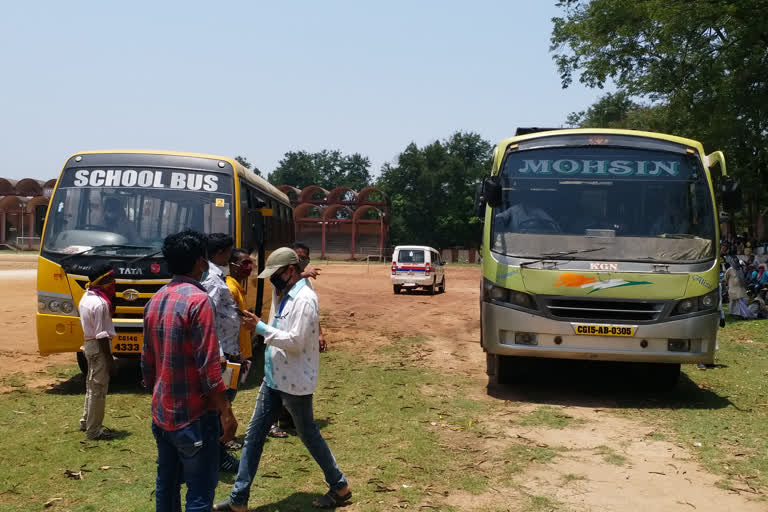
[{"x": 180, "y": 363}]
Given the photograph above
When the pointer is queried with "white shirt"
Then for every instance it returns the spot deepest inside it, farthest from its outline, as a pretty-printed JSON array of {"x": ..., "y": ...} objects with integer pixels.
[
  {"x": 225, "y": 310},
  {"x": 292, "y": 358},
  {"x": 95, "y": 317}
]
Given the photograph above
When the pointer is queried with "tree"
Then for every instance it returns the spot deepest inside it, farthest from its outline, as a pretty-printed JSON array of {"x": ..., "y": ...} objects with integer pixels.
[
  {"x": 328, "y": 169},
  {"x": 702, "y": 68},
  {"x": 431, "y": 190},
  {"x": 245, "y": 163}
]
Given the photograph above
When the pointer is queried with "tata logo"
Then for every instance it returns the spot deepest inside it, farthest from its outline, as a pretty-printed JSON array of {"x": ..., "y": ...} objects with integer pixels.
[
  {"x": 154, "y": 268},
  {"x": 130, "y": 271},
  {"x": 609, "y": 267},
  {"x": 130, "y": 294}
]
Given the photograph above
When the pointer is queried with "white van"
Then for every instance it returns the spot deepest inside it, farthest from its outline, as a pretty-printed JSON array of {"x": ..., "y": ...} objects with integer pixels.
[{"x": 417, "y": 266}]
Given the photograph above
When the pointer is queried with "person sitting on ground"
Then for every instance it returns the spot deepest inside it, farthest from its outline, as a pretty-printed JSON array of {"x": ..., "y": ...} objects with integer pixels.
[
  {"x": 96, "y": 310},
  {"x": 757, "y": 307}
]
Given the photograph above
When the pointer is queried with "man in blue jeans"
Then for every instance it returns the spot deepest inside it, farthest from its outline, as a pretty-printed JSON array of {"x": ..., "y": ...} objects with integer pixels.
[
  {"x": 180, "y": 364},
  {"x": 291, "y": 363}
]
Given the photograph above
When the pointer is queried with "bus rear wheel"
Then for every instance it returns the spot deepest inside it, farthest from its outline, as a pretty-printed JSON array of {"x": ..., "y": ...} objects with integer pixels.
[{"x": 82, "y": 362}]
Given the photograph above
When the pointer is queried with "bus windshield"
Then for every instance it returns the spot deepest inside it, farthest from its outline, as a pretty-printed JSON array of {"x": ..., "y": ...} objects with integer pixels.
[
  {"x": 617, "y": 203},
  {"x": 129, "y": 211}
]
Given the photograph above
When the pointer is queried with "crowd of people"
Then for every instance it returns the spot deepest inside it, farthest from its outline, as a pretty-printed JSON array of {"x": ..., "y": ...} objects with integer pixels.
[
  {"x": 743, "y": 245},
  {"x": 194, "y": 327},
  {"x": 745, "y": 287}
]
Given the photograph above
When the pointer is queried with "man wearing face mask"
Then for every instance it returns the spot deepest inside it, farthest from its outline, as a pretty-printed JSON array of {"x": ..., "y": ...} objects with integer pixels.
[
  {"x": 291, "y": 364},
  {"x": 96, "y": 311},
  {"x": 226, "y": 319}
]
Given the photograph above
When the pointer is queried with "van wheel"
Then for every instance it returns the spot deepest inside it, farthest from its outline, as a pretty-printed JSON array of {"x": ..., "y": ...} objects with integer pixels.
[
  {"x": 397, "y": 289},
  {"x": 82, "y": 362},
  {"x": 442, "y": 286},
  {"x": 432, "y": 289}
]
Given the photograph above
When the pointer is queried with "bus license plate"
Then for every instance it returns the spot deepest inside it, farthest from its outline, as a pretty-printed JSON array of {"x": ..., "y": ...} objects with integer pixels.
[
  {"x": 603, "y": 330},
  {"x": 128, "y": 343}
]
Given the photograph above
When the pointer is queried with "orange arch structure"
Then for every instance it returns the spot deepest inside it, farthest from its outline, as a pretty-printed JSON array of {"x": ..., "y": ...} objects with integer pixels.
[
  {"x": 22, "y": 205},
  {"x": 336, "y": 220},
  {"x": 308, "y": 194}
]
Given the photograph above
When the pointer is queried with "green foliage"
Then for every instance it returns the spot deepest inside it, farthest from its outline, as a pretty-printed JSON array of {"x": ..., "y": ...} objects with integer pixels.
[
  {"x": 701, "y": 66},
  {"x": 329, "y": 169},
  {"x": 432, "y": 189}
]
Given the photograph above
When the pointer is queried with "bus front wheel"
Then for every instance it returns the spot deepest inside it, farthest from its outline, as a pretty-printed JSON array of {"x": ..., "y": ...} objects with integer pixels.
[
  {"x": 82, "y": 362},
  {"x": 498, "y": 369}
]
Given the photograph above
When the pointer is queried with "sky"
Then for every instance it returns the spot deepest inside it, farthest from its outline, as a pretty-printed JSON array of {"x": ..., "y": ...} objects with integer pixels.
[{"x": 259, "y": 79}]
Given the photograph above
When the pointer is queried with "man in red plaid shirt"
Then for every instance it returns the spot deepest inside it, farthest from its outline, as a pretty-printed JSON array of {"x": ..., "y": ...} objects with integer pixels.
[{"x": 180, "y": 363}]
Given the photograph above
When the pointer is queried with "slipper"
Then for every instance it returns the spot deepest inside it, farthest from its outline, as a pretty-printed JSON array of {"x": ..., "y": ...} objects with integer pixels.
[
  {"x": 233, "y": 445},
  {"x": 276, "y": 432},
  {"x": 331, "y": 499},
  {"x": 224, "y": 506}
]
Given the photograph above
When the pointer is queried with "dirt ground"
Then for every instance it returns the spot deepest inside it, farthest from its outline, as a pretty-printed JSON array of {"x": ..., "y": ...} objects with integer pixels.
[{"x": 360, "y": 312}]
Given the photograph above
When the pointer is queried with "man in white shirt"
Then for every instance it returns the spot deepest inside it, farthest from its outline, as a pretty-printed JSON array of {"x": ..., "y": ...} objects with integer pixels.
[
  {"x": 291, "y": 364},
  {"x": 96, "y": 310},
  {"x": 226, "y": 319}
]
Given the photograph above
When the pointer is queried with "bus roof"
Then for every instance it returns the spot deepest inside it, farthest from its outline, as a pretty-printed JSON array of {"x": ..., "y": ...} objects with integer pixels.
[
  {"x": 602, "y": 131},
  {"x": 240, "y": 170}
]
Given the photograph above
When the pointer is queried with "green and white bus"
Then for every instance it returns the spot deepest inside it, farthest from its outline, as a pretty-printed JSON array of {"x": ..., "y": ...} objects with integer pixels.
[{"x": 600, "y": 244}]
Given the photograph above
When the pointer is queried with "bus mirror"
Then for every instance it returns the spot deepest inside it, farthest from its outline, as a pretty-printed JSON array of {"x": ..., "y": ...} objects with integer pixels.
[
  {"x": 732, "y": 200},
  {"x": 492, "y": 191},
  {"x": 479, "y": 202}
]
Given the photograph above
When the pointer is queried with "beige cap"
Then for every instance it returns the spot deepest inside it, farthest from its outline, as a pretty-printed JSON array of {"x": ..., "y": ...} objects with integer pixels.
[{"x": 279, "y": 258}]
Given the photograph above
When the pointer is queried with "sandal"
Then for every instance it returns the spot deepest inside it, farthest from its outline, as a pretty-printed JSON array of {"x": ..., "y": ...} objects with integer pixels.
[
  {"x": 275, "y": 431},
  {"x": 331, "y": 499}
]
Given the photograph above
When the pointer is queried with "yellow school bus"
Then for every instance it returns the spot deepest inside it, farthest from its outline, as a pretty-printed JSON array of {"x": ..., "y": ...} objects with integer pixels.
[{"x": 116, "y": 207}]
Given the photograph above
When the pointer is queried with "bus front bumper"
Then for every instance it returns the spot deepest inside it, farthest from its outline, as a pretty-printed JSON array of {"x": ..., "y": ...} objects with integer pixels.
[{"x": 511, "y": 332}]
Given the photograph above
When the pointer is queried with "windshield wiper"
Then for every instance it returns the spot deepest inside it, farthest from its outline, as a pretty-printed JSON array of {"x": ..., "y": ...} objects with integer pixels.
[
  {"x": 150, "y": 255},
  {"x": 677, "y": 235},
  {"x": 559, "y": 255},
  {"x": 106, "y": 246}
]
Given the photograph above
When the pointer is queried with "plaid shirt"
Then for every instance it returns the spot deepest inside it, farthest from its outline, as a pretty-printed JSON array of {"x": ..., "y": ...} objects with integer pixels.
[{"x": 180, "y": 357}]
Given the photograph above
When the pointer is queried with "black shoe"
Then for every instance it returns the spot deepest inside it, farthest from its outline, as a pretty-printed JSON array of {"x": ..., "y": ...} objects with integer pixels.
[{"x": 230, "y": 464}]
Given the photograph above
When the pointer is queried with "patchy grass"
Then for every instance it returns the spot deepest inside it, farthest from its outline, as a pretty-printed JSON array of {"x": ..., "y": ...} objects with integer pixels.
[
  {"x": 724, "y": 409},
  {"x": 610, "y": 456},
  {"x": 398, "y": 446},
  {"x": 572, "y": 477},
  {"x": 549, "y": 417},
  {"x": 542, "y": 504}
]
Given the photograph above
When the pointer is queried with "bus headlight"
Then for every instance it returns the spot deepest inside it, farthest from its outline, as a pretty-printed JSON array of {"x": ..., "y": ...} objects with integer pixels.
[
  {"x": 702, "y": 303},
  {"x": 58, "y": 304},
  {"x": 493, "y": 293}
]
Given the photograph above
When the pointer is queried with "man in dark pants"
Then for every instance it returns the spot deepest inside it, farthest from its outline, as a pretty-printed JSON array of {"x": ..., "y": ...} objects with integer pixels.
[{"x": 180, "y": 364}]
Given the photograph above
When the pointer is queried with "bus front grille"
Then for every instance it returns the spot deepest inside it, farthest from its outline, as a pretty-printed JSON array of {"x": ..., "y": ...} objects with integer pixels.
[{"x": 603, "y": 310}]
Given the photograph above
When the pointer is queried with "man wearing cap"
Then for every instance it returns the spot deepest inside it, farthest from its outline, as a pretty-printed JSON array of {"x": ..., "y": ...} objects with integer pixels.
[{"x": 291, "y": 362}]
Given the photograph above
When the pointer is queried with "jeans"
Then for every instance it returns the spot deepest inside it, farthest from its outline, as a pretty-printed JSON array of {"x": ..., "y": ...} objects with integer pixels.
[
  {"x": 190, "y": 454},
  {"x": 267, "y": 409}
]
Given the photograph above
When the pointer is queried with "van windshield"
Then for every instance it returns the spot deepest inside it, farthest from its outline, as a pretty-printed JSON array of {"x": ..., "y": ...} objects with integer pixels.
[{"x": 410, "y": 256}]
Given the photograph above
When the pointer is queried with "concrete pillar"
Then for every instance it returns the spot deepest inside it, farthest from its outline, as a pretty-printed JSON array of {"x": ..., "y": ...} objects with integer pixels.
[
  {"x": 352, "y": 244},
  {"x": 322, "y": 243},
  {"x": 2, "y": 226}
]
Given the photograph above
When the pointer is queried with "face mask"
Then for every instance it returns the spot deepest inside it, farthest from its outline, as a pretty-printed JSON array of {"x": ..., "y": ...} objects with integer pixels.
[{"x": 278, "y": 282}]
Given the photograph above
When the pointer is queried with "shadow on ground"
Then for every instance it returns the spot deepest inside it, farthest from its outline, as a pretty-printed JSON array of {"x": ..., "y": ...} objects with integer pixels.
[{"x": 602, "y": 385}]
